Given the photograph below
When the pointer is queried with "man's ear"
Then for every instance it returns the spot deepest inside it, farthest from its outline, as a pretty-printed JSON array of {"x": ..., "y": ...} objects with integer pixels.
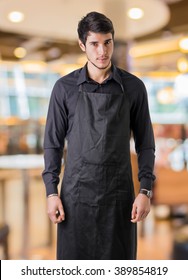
[{"x": 82, "y": 46}]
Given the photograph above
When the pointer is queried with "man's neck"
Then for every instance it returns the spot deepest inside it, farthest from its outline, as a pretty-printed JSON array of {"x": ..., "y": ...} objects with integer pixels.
[{"x": 98, "y": 75}]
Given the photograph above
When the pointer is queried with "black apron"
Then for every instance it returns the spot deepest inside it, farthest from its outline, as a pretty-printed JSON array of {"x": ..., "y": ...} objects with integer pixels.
[{"x": 97, "y": 189}]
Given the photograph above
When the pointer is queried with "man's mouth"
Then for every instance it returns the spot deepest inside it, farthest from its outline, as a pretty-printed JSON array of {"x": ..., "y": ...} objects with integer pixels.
[{"x": 102, "y": 58}]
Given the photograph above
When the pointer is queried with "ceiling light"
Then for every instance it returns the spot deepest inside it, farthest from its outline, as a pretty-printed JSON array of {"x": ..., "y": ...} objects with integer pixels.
[
  {"x": 135, "y": 13},
  {"x": 166, "y": 96},
  {"x": 182, "y": 64},
  {"x": 183, "y": 44},
  {"x": 16, "y": 16},
  {"x": 54, "y": 52},
  {"x": 20, "y": 52}
]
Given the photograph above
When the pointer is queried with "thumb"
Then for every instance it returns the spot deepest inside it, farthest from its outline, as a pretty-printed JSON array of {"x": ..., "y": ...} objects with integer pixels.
[
  {"x": 133, "y": 213},
  {"x": 61, "y": 212}
]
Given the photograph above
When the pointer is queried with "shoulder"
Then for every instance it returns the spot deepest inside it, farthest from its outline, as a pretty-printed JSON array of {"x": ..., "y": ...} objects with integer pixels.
[
  {"x": 130, "y": 79},
  {"x": 133, "y": 86},
  {"x": 69, "y": 80},
  {"x": 66, "y": 85}
]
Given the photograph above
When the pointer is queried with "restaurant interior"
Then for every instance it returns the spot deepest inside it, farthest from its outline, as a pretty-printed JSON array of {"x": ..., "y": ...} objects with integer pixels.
[{"x": 38, "y": 45}]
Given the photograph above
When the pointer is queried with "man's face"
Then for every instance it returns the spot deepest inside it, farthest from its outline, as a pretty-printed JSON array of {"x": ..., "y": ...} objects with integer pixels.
[{"x": 99, "y": 49}]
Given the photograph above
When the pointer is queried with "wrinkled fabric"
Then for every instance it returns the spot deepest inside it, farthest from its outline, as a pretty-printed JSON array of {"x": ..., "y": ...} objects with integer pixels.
[
  {"x": 97, "y": 189},
  {"x": 60, "y": 118}
]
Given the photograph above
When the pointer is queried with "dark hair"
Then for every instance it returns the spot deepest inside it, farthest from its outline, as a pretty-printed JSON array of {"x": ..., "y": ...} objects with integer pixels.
[{"x": 94, "y": 22}]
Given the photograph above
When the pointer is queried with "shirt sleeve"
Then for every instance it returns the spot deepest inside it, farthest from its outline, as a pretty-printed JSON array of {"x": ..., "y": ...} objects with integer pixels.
[
  {"x": 143, "y": 136},
  {"x": 54, "y": 138}
]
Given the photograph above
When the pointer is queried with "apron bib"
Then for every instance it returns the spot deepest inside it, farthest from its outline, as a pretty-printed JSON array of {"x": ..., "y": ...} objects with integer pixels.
[{"x": 97, "y": 190}]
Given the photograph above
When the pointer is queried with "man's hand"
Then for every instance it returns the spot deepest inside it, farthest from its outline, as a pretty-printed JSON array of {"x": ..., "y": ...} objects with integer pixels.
[
  {"x": 55, "y": 209},
  {"x": 141, "y": 208}
]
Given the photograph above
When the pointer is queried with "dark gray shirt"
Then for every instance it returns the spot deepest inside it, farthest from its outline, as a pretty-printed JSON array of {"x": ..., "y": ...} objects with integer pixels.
[{"x": 61, "y": 114}]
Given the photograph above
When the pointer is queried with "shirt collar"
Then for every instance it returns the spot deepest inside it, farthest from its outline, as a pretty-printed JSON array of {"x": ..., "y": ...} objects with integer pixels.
[{"x": 83, "y": 76}]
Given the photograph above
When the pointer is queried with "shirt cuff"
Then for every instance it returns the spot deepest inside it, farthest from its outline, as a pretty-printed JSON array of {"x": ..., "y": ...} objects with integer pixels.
[
  {"x": 146, "y": 183},
  {"x": 51, "y": 190}
]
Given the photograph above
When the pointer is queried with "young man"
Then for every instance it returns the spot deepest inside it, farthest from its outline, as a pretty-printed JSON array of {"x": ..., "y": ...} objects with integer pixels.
[{"x": 95, "y": 108}]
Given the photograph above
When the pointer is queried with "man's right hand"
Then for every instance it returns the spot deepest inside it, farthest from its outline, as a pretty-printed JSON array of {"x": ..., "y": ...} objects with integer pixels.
[{"x": 55, "y": 209}]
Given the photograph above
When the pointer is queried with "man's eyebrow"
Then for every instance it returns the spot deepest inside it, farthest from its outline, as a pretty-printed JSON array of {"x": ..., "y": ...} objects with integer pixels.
[
  {"x": 94, "y": 42},
  {"x": 107, "y": 40}
]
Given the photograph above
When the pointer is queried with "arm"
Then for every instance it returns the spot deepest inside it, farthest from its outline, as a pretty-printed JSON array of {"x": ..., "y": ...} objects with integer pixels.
[
  {"x": 55, "y": 131},
  {"x": 145, "y": 148},
  {"x": 51, "y": 178}
]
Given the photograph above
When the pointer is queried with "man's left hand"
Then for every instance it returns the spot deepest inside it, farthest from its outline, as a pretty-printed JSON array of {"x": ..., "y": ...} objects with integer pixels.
[{"x": 141, "y": 208}]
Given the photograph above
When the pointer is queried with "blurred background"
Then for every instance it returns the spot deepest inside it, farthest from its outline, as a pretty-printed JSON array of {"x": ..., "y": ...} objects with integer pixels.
[{"x": 38, "y": 44}]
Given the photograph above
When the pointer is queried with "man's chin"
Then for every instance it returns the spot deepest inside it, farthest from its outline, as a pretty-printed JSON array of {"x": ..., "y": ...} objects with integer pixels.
[{"x": 101, "y": 66}]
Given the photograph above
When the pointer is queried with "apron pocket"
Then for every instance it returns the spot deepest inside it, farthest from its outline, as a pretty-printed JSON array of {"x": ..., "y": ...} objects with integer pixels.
[{"x": 99, "y": 184}]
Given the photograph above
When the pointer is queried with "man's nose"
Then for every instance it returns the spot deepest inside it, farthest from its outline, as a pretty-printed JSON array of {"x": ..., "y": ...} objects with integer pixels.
[{"x": 102, "y": 49}]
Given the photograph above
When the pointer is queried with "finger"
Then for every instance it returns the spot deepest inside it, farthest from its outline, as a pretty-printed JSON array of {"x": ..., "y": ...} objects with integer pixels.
[
  {"x": 134, "y": 212},
  {"x": 135, "y": 218},
  {"x": 58, "y": 217},
  {"x": 53, "y": 217},
  {"x": 61, "y": 213},
  {"x": 139, "y": 216},
  {"x": 145, "y": 215}
]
